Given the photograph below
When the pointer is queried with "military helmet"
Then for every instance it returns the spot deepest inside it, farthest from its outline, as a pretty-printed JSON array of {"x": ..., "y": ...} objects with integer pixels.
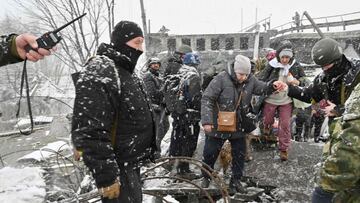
[
  {"x": 154, "y": 60},
  {"x": 326, "y": 51},
  {"x": 183, "y": 49},
  {"x": 191, "y": 59}
]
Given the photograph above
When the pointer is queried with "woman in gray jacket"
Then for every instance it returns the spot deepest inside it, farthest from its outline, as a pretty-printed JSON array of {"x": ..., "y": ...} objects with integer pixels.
[{"x": 222, "y": 94}]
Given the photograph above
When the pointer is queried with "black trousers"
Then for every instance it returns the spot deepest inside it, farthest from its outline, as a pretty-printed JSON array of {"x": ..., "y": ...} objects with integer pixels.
[
  {"x": 162, "y": 124},
  {"x": 303, "y": 119},
  {"x": 184, "y": 138},
  {"x": 238, "y": 149},
  {"x": 130, "y": 190},
  {"x": 317, "y": 121}
]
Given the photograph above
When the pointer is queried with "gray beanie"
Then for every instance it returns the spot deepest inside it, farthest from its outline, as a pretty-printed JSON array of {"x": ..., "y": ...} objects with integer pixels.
[
  {"x": 286, "y": 52},
  {"x": 242, "y": 64}
]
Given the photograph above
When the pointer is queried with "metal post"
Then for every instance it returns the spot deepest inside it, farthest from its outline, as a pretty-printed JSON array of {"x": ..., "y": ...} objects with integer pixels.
[{"x": 314, "y": 24}]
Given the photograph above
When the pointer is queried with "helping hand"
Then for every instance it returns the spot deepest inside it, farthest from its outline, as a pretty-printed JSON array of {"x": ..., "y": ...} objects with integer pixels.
[
  {"x": 280, "y": 86},
  {"x": 329, "y": 110},
  {"x": 208, "y": 128}
]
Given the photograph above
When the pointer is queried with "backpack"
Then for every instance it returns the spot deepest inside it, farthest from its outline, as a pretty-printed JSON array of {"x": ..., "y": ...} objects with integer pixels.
[{"x": 182, "y": 90}]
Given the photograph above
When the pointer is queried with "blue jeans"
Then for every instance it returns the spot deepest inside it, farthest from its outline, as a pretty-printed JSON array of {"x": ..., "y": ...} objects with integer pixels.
[{"x": 321, "y": 196}]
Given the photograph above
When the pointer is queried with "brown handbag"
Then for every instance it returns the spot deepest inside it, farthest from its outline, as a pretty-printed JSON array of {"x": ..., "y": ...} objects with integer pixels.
[{"x": 226, "y": 120}]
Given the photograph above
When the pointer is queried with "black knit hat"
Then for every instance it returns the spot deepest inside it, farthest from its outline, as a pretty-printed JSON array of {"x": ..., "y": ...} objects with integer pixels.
[{"x": 125, "y": 31}]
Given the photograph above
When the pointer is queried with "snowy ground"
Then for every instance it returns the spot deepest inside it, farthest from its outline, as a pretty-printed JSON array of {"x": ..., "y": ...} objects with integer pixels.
[
  {"x": 22, "y": 185},
  {"x": 294, "y": 179}
]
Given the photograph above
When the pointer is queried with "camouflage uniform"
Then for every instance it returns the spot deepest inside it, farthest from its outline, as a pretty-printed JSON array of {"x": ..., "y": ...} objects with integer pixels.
[
  {"x": 8, "y": 53},
  {"x": 340, "y": 172}
]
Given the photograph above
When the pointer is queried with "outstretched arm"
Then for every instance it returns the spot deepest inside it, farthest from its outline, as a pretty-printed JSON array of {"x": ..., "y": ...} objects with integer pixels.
[{"x": 24, "y": 39}]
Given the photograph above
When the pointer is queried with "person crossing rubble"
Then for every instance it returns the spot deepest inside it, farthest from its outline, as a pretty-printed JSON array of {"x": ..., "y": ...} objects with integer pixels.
[
  {"x": 283, "y": 67},
  {"x": 229, "y": 88}
]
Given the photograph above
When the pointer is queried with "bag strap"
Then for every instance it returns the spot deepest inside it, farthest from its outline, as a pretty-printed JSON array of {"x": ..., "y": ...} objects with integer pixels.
[{"x": 237, "y": 103}]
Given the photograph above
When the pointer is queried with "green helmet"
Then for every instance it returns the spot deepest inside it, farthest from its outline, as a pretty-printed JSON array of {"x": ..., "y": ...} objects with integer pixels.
[
  {"x": 326, "y": 51},
  {"x": 184, "y": 49}
]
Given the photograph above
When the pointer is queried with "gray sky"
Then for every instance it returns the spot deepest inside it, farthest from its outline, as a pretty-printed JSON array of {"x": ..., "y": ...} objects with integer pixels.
[{"x": 217, "y": 16}]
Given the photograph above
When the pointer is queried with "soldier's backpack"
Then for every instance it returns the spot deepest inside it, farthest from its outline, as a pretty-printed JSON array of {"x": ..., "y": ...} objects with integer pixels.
[{"x": 182, "y": 90}]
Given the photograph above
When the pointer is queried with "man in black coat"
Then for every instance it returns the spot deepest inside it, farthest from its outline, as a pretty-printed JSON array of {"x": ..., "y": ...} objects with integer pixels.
[
  {"x": 12, "y": 49},
  {"x": 231, "y": 91},
  {"x": 112, "y": 122},
  {"x": 184, "y": 106}
]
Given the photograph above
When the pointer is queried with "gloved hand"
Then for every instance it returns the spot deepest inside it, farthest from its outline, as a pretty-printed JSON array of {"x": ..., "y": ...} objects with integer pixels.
[{"x": 112, "y": 191}]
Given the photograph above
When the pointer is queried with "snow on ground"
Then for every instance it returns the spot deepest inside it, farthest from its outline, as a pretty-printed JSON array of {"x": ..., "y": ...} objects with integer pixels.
[
  {"x": 22, "y": 185},
  {"x": 46, "y": 152},
  {"x": 29, "y": 182}
]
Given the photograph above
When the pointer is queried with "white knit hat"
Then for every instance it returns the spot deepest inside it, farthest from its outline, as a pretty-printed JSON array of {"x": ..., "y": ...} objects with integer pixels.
[
  {"x": 242, "y": 64},
  {"x": 286, "y": 52}
]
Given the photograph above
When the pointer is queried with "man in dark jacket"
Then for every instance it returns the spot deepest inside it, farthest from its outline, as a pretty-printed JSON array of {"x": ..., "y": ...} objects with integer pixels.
[
  {"x": 12, "y": 49},
  {"x": 153, "y": 83},
  {"x": 112, "y": 123},
  {"x": 185, "y": 111},
  {"x": 339, "y": 77},
  {"x": 223, "y": 94}
]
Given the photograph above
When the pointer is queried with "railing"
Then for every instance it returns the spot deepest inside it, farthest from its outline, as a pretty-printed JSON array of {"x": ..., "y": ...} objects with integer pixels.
[{"x": 321, "y": 22}]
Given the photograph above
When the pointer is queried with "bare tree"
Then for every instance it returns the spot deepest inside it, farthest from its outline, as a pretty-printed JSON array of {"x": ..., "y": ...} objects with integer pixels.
[{"x": 81, "y": 38}]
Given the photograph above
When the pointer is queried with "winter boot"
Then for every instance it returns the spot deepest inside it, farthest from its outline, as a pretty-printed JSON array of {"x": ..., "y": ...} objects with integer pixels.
[
  {"x": 205, "y": 182},
  {"x": 183, "y": 171},
  {"x": 306, "y": 135},
  {"x": 283, "y": 155},
  {"x": 235, "y": 186},
  {"x": 316, "y": 139}
]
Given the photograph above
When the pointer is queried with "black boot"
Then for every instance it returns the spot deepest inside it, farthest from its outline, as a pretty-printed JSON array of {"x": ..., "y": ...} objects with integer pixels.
[
  {"x": 205, "y": 182},
  {"x": 184, "y": 171},
  {"x": 235, "y": 186},
  {"x": 316, "y": 139},
  {"x": 306, "y": 135}
]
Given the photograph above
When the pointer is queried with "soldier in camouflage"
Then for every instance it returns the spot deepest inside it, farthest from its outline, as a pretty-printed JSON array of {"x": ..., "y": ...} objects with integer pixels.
[
  {"x": 12, "y": 49},
  {"x": 340, "y": 171}
]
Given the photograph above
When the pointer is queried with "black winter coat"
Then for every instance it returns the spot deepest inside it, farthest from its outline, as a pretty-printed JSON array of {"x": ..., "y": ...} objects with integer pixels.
[
  {"x": 329, "y": 87},
  {"x": 109, "y": 96},
  {"x": 225, "y": 90}
]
